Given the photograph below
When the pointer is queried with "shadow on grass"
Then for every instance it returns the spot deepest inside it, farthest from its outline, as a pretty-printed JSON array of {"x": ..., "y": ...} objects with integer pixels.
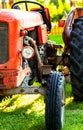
[
  {"x": 70, "y": 103},
  {"x": 73, "y": 113},
  {"x": 22, "y": 117}
]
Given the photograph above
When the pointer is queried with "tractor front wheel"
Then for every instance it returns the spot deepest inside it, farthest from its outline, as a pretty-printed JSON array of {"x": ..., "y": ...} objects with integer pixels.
[{"x": 55, "y": 102}]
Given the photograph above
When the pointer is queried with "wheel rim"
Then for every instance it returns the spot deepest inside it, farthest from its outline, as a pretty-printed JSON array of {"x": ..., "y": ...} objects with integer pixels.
[{"x": 62, "y": 107}]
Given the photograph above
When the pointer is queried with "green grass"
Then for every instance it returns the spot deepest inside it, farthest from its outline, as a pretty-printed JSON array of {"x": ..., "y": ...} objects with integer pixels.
[
  {"x": 22, "y": 112},
  {"x": 56, "y": 38},
  {"x": 26, "y": 112},
  {"x": 73, "y": 113}
]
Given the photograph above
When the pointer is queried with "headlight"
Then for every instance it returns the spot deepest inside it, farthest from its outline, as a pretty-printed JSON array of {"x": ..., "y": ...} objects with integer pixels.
[{"x": 28, "y": 52}]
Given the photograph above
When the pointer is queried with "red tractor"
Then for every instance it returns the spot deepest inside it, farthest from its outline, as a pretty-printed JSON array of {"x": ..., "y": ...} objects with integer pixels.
[{"x": 26, "y": 55}]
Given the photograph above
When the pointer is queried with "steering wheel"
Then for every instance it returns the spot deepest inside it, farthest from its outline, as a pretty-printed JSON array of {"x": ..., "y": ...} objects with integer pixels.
[{"x": 26, "y": 4}]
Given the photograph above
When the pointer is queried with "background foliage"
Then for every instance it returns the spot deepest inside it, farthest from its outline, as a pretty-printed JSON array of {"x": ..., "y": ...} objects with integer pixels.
[{"x": 56, "y": 8}]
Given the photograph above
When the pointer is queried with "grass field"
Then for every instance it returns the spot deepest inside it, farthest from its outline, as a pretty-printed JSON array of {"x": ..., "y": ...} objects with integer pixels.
[
  {"x": 56, "y": 38},
  {"x": 73, "y": 112},
  {"x": 26, "y": 112}
]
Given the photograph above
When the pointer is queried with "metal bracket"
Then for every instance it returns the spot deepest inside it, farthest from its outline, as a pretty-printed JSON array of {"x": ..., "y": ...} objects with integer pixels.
[{"x": 23, "y": 90}]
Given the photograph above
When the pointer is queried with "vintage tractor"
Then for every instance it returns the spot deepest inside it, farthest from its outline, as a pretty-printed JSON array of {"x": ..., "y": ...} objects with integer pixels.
[{"x": 27, "y": 56}]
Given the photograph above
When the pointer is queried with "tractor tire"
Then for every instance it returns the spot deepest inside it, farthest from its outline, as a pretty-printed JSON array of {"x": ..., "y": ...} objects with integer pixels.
[
  {"x": 76, "y": 59},
  {"x": 55, "y": 102}
]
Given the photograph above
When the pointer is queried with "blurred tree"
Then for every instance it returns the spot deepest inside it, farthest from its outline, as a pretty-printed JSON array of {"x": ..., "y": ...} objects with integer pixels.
[
  {"x": 41, "y": 1},
  {"x": 4, "y": 3},
  {"x": 56, "y": 2}
]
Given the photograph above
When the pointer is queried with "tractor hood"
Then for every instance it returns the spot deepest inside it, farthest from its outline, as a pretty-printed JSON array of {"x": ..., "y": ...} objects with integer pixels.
[{"x": 26, "y": 19}]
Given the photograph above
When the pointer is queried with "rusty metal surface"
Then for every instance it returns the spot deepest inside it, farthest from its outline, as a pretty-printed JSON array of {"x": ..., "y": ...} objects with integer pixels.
[
  {"x": 46, "y": 69},
  {"x": 66, "y": 72},
  {"x": 23, "y": 90},
  {"x": 33, "y": 43}
]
